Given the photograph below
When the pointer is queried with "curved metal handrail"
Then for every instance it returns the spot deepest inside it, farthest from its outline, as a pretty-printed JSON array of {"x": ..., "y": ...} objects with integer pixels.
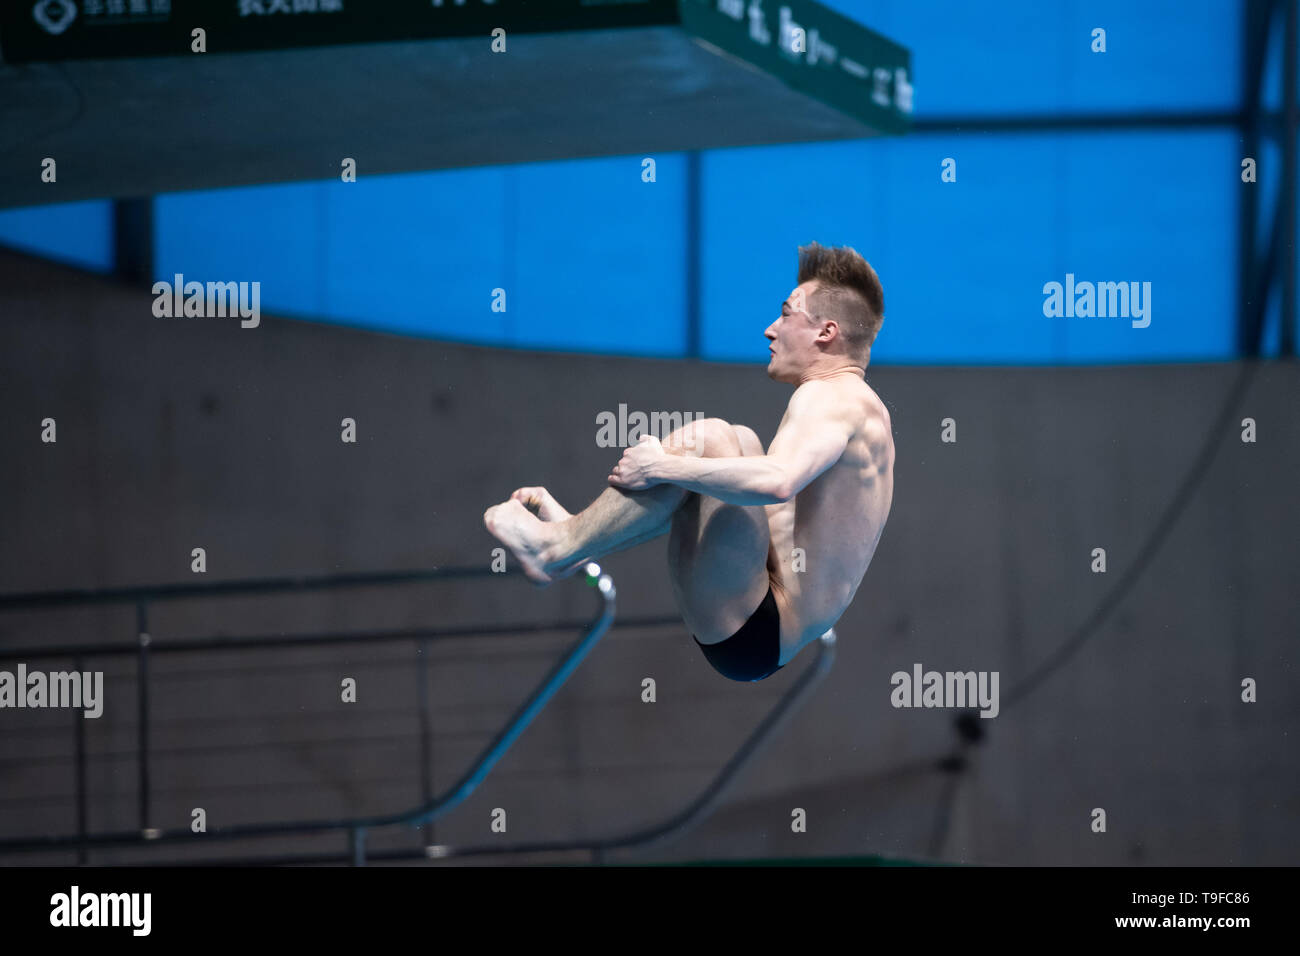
[
  {"x": 678, "y": 824},
  {"x": 670, "y": 828},
  {"x": 167, "y": 592},
  {"x": 430, "y": 810},
  {"x": 358, "y": 827}
]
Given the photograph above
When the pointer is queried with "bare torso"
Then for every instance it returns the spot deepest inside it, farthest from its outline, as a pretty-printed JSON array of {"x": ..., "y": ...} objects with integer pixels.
[{"x": 822, "y": 540}]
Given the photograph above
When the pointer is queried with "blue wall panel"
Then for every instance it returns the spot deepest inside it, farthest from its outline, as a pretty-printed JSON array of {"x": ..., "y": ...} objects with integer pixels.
[
  {"x": 590, "y": 257},
  {"x": 78, "y": 233},
  {"x": 1035, "y": 56},
  {"x": 963, "y": 264}
]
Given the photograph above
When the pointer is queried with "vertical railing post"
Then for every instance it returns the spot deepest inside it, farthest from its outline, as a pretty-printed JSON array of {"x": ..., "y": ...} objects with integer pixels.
[
  {"x": 357, "y": 843},
  {"x": 142, "y": 700},
  {"x": 426, "y": 749},
  {"x": 78, "y": 665}
]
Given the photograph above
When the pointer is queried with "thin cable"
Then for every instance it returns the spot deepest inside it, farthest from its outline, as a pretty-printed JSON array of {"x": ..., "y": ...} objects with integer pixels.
[
  {"x": 1150, "y": 547},
  {"x": 1109, "y": 602}
]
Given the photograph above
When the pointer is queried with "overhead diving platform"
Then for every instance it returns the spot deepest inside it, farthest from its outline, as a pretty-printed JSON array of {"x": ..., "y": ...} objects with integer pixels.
[{"x": 288, "y": 90}]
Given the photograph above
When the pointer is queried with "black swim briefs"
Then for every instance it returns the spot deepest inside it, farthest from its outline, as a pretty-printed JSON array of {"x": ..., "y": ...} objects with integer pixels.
[{"x": 754, "y": 651}]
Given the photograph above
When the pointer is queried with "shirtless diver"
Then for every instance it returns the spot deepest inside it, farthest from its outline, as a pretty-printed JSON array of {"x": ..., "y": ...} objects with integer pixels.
[{"x": 765, "y": 548}]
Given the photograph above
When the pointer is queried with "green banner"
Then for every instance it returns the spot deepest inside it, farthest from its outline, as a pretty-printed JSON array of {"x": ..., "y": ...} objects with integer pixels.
[
  {"x": 814, "y": 50},
  {"x": 97, "y": 29}
]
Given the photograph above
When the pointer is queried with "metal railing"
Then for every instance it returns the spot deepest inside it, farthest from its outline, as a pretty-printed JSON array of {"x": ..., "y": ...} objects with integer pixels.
[
  {"x": 357, "y": 828},
  {"x": 598, "y": 850}
]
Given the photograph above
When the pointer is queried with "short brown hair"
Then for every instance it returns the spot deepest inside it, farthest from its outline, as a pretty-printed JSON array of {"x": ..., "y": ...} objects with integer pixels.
[{"x": 848, "y": 291}]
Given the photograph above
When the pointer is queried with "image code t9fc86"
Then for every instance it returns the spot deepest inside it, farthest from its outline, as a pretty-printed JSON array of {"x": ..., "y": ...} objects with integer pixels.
[{"x": 1185, "y": 897}]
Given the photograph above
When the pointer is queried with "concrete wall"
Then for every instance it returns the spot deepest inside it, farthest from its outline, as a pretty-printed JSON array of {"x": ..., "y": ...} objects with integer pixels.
[{"x": 183, "y": 433}]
